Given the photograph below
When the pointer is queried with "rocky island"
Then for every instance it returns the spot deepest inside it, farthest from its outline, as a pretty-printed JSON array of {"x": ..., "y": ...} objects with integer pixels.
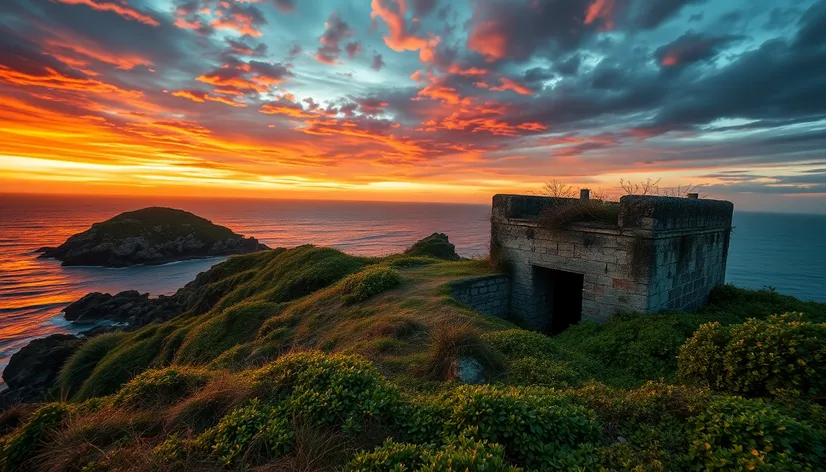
[{"x": 150, "y": 236}]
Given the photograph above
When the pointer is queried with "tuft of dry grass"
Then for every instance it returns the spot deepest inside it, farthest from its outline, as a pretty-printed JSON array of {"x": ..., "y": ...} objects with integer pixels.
[
  {"x": 450, "y": 343},
  {"x": 589, "y": 211},
  {"x": 223, "y": 393},
  {"x": 91, "y": 438},
  {"x": 15, "y": 415}
]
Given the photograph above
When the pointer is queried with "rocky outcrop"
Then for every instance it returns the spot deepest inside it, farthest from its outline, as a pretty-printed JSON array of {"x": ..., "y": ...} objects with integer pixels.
[
  {"x": 32, "y": 370},
  {"x": 436, "y": 245},
  {"x": 150, "y": 236},
  {"x": 129, "y": 307}
]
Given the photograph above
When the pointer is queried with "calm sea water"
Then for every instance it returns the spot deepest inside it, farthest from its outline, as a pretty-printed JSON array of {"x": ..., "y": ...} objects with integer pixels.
[{"x": 784, "y": 251}]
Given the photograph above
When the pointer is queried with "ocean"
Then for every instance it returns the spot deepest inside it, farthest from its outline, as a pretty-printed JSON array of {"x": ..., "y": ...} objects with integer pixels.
[{"x": 783, "y": 251}]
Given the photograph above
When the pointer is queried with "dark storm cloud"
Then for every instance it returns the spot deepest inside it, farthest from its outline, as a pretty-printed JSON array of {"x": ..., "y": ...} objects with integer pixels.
[
  {"x": 692, "y": 47},
  {"x": 650, "y": 14},
  {"x": 779, "y": 80},
  {"x": 517, "y": 31}
]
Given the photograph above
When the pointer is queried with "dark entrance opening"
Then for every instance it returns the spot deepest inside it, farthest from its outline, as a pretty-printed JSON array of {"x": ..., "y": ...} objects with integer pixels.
[{"x": 559, "y": 294}]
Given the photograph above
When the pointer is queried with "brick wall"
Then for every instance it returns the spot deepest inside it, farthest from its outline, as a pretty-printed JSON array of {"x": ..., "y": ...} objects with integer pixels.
[{"x": 489, "y": 295}]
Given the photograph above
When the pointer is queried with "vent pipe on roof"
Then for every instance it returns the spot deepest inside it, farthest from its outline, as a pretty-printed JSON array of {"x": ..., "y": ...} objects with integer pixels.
[{"x": 693, "y": 196}]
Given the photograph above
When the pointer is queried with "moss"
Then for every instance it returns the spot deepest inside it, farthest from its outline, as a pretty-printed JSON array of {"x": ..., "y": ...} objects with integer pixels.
[
  {"x": 436, "y": 245},
  {"x": 216, "y": 334},
  {"x": 367, "y": 283}
]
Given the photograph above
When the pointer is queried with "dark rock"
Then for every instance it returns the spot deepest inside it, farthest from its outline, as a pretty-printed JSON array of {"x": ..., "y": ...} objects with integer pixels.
[
  {"x": 32, "y": 371},
  {"x": 150, "y": 236},
  {"x": 436, "y": 245},
  {"x": 130, "y": 307}
]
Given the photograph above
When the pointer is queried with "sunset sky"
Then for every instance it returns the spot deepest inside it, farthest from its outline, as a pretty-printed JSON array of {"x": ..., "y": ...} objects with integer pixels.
[{"x": 417, "y": 100}]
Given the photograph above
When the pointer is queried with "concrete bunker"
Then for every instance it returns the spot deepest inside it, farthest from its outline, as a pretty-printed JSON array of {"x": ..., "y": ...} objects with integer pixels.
[{"x": 651, "y": 254}]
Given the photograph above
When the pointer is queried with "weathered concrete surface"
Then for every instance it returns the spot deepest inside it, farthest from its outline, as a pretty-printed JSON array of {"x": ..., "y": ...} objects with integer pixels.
[{"x": 663, "y": 253}]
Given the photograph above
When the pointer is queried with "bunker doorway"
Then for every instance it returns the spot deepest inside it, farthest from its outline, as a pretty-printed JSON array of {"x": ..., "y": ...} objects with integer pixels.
[{"x": 560, "y": 297}]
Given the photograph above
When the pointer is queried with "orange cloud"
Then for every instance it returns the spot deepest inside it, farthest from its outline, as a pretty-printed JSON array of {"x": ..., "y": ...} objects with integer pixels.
[
  {"x": 53, "y": 79},
  {"x": 510, "y": 84},
  {"x": 487, "y": 39},
  {"x": 398, "y": 38},
  {"x": 123, "y": 10},
  {"x": 77, "y": 54},
  {"x": 601, "y": 10},
  {"x": 200, "y": 97}
]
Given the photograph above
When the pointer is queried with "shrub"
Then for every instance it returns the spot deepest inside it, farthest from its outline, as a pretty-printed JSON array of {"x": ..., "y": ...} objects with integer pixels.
[
  {"x": 778, "y": 356},
  {"x": 255, "y": 431},
  {"x": 643, "y": 345},
  {"x": 462, "y": 454},
  {"x": 736, "y": 305},
  {"x": 538, "y": 429},
  {"x": 519, "y": 343},
  {"x": 741, "y": 434},
  {"x": 436, "y": 245},
  {"x": 544, "y": 372},
  {"x": 367, "y": 283},
  {"x": 81, "y": 364},
  {"x": 19, "y": 446},
  {"x": 161, "y": 387},
  {"x": 328, "y": 389},
  {"x": 451, "y": 344}
]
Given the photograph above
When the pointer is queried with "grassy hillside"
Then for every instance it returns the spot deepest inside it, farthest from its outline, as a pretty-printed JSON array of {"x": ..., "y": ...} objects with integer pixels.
[{"x": 312, "y": 359}]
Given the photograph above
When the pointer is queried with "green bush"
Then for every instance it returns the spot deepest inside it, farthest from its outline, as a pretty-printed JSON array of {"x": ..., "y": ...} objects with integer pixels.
[
  {"x": 520, "y": 343},
  {"x": 643, "y": 345},
  {"x": 778, "y": 356},
  {"x": 81, "y": 364},
  {"x": 537, "y": 428},
  {"x": 741, "y": 434},
  {"x": 461, "y": 455},
  {"x": 255, "y": 433},
  {"x": 730, "y": 304},
  {"x": 538, "y": 371},
  {"x": 367, "y": 283},
  {"x": 20, "y": 445},
  {"x": 161, "y": 387},
  {"x": 328, "y": 389}
]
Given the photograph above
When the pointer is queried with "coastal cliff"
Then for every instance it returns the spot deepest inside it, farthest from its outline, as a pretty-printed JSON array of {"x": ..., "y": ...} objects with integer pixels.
[
  {"x": 289, "y": 357},
  {"x": 149, "y": 236}
]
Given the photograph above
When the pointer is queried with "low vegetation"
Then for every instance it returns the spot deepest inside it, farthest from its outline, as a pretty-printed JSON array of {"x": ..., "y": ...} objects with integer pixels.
[{"x": 310, "y": 359}]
